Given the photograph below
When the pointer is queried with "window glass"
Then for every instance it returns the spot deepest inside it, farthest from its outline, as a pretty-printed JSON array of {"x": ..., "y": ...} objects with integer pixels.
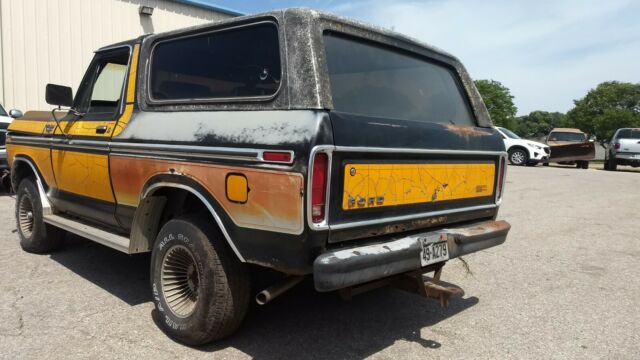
[
  {"x": 629, "y": 134},
  {"x": 567, "y": 136},
  {"x": 377, "y": 81},
  {"x": 242, "y": 62},
  {"x": 509, "y": 133},
  {"x": 108, "y": 86},
  {"x": 100, "y": 92}
]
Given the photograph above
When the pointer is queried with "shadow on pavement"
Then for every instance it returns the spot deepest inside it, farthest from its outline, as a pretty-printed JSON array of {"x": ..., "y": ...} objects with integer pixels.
[
  {"x": 307, "y": 324},
  {"x": 300, "y": 323},
  {"x": 124, "y": 276}
]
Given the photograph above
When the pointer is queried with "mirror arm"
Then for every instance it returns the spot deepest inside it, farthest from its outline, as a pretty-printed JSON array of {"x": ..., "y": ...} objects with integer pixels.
[{"x": 53, "y": 114}]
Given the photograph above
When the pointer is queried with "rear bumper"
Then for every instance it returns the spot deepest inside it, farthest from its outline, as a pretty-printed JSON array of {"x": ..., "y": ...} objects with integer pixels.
[
  {"x": 352, "y": 266},
  {"x": 628, "y": 156}
]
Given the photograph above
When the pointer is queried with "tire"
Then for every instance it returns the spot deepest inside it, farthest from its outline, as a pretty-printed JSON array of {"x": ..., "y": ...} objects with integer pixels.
[
  {"x": 613, "y": 165},
  {"x": 582, "y": 164},
  {"x": 35, "y": 236},
  {"x": 545, "y": 164},
  {"x": 518, "y": 157},
  {"x": 210, "y": 301}
]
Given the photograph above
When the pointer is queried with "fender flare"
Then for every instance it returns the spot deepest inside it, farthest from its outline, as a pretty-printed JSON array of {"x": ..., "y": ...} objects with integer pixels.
[
  {"x": 185, "y": 183},
  {"x": 44, "y": 200}
]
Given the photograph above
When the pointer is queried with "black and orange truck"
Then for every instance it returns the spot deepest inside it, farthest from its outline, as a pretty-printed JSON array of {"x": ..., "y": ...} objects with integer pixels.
[{"x": 295, "y": 141}]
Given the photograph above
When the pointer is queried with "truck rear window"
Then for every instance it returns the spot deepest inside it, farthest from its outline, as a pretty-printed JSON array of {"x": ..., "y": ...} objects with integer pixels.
[
  {"x": 629, "y": 134},
  {"x": 370, "y": 79},
  {"x": 234, "y": 63}
]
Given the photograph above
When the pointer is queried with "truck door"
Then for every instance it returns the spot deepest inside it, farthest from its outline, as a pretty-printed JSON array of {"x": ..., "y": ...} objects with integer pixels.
[{"x": 80, "y": 152}]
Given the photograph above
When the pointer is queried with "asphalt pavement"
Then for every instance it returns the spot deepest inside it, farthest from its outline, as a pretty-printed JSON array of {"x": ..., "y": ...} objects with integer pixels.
[{"x": 564, "y": 285}]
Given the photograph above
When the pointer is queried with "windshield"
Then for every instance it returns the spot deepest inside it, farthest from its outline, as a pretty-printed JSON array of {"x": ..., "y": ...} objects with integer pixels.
[
  {"x": 372, "y": 80},
  {"x": 509, "y": 133},
  {"x": 629, "y": 134},
  {"x": 567, "y": 136},
  {"x": 2, "y": 111}
]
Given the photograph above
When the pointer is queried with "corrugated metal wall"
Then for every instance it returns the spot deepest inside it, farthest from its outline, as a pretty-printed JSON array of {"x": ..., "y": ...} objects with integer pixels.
[{"x": 52, "y": 41}]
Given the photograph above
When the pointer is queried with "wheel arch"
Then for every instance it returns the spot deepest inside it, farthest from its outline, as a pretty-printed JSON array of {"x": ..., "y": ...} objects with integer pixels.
[
  {"x": 520, "y": 147},
  {"x": 148, "y": 218},
  {"x": 23, "y": 167}
]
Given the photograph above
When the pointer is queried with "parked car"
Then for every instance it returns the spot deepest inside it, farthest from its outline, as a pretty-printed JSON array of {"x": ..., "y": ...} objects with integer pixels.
[
  {"x": 294, "y": 140},
  {"x": 5, "y": 120},
  {"x": 571, "y": 147},
  {"x": 523, "y": 151},
  {"x": 623, "y": 149}
]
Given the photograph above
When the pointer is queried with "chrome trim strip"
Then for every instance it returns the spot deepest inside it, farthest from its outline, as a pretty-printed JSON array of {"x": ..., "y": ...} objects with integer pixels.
[
  {"x": 499, "y": 196},
  {"x": 409, "y": 217},
  {"x": 327, "y": 149},
  {"x": 158, "y": 150},
  {"x": 148, "y": 191},
  {"x": 44, "y": 200},
  {"x": 416, "y": 151}
]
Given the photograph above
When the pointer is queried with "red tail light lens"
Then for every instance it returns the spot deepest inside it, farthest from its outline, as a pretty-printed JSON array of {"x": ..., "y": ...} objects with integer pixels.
[
  {"x": 277, "y": 156},
  {"x": 501, "y": 177},
  {"x": 319, "y": 187},
  {"x": 616, "y": 146}
]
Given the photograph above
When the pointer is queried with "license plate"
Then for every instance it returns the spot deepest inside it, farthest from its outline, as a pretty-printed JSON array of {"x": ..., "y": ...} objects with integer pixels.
[{"x": 433, "y": 252}]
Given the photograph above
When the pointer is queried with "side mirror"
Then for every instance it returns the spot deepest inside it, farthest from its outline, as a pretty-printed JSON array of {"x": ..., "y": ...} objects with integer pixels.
[
  {"x": 59, "y": 95},
  {"x": 15, "y": 113}
]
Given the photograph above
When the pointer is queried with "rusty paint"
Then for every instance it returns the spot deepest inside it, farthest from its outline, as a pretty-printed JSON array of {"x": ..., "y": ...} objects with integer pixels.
[
  {"x": 467, "y": 131},
  {"x": 274, "y": 202},
  {"x": 39, "y": 157}
]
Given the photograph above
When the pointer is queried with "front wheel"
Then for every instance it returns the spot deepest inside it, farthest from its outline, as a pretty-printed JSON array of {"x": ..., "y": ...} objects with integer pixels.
[
  {"x": 518, "y": 157},
  {"x": 582, "y": 164},
  {"x": 199, "y": 287},
  {"x": 35, "y": 236}
]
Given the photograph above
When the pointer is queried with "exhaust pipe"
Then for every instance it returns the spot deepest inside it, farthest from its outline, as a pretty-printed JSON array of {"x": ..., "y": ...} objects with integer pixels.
[{"x": 274, "y": 291}]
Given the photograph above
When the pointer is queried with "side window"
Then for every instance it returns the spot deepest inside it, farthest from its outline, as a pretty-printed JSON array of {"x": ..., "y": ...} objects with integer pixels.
[
  {"x": 100, "y": 94},
  {"x": 236, "y": 63}
]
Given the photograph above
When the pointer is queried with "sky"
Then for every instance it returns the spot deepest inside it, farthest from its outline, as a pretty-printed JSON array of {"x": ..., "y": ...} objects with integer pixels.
[{"x": 548, "y": 53}]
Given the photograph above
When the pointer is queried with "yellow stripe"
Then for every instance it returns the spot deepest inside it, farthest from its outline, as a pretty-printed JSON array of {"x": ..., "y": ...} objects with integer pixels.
[
  {"x": 378, "y": 185},
  {"x": 27, "y": 126}
]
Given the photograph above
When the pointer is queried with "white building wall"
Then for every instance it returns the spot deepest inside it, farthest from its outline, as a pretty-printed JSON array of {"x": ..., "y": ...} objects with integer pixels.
[{"x": 52, "y": 41}]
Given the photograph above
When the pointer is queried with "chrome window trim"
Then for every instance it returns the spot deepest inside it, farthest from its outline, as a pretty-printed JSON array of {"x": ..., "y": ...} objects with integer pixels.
[
  {"x": 330, "y": 149},
  {"x": 327, "y": 149},
  {"x": 150, "y": 189},
  {"x": 150, "y": 100}
]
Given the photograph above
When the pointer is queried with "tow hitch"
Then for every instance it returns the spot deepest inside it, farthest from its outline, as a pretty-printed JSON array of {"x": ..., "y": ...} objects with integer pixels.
[{"x": 416, "y": 282}]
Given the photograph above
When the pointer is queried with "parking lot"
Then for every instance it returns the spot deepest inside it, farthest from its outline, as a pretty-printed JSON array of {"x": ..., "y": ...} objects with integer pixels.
[{"x": 564, "y": 285}]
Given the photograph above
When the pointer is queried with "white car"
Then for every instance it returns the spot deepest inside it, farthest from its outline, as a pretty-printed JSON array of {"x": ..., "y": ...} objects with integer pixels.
[
  {"x": 522, "y": 151},
  {"x": 5, "y": 120}
]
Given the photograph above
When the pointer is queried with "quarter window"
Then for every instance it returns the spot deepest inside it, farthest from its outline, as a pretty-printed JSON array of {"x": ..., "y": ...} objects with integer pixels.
[{"x": 237, "y": 63}]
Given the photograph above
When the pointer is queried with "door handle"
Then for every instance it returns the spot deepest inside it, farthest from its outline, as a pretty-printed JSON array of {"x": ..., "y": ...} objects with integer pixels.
[{"x": 101, "y": 129}]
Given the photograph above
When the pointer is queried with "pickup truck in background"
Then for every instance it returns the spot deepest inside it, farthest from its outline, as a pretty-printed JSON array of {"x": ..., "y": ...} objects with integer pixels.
[
  {"x": 570, "y": 147},
  {"x": 623, "y": 149},
  {"x": 293, "y": 141}
]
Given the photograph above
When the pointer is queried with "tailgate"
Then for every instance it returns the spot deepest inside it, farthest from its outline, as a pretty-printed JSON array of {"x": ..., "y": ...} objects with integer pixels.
[
  {"x": 394, "y": 175},
  {"x": 629, "y": 145}
]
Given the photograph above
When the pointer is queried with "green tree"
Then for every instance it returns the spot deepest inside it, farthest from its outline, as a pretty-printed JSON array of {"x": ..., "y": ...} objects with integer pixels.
[
  {"x": 499, "y": 102},
  {"x": 610, "y": 106},
  {"x": 538, "y": 123}
]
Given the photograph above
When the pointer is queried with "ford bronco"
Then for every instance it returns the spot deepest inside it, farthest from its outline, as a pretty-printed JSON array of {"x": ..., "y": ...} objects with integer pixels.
[{"x": 294, "y": 140}]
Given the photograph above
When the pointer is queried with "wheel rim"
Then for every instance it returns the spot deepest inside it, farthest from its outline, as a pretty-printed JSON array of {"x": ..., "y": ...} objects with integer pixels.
[
  {"x": 180, "y": 281},
  {"x": 25, "y": 216},
  {"x": 517, "y": 157}
]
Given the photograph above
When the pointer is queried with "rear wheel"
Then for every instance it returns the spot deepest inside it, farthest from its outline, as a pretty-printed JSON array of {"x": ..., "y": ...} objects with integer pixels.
[
  {"x": 200, "y": 289},
  {"x": 518, "y": 157},
  {"x": 610, "y": 164}
]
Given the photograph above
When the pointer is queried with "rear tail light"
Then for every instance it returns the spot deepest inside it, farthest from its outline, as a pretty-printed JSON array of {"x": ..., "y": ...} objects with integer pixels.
[
  {"x": 501, "y": 177},
  {"x": 319, "y": 187},
  {"x": 616, "y": 146},
  {"x": 277, "y": 156}
]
